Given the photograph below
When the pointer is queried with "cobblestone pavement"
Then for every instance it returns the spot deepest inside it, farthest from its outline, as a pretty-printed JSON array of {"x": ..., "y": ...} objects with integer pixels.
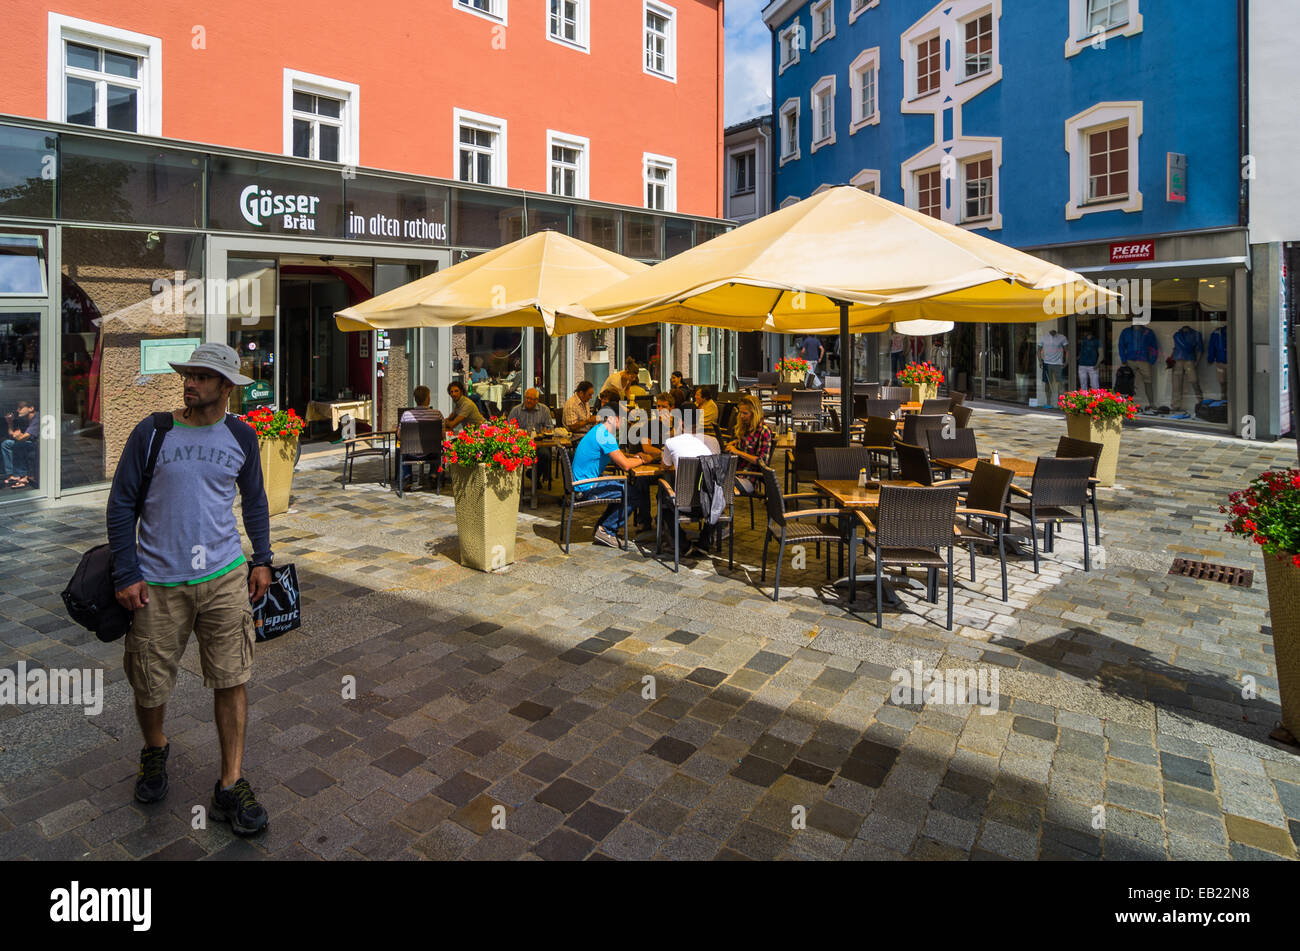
[{"x": 1119, "y": 732}]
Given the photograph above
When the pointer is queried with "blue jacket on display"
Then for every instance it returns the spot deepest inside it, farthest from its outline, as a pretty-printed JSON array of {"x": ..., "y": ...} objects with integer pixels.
[
  {"x": 1188, "y": 344},
  {"x": 1217, "y": 350},
  {"x": 1138, "y": 343}
]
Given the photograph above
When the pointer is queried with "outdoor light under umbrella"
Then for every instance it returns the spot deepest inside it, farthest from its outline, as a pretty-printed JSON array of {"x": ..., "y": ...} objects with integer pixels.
[
  {"x": 843, "y": 260},
  {"x": 520, "y": 284}
]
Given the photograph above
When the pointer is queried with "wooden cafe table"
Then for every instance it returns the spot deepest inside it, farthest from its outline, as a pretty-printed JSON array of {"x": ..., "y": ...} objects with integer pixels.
[{"x": 1023, "y": 468}]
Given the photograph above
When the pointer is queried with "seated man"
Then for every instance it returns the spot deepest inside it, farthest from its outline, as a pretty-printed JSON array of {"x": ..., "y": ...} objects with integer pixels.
[
  {"x": 534, "y": 418},
  {"x": 708, "y": 409},
  {"x": 420, "y": 411},
  {"x": 597, "y": 450},
  {"x": 652, "y": 431},
  {"x": 463, "y": 410},
  {"x": 19, "y": 448},
  {"x": 577, "y": 417}
]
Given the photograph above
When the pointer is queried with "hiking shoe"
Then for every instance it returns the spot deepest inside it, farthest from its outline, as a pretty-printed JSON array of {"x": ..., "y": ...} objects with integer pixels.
[
  {"x": 151, "y": 781},
  {"x": 604, "y": 537},
  {"x": 239, "y": 807}
]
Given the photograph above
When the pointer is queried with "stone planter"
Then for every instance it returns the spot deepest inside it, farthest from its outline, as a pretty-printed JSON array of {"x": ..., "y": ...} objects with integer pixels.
[
  {"x": 1283, "y": 579},
  {"x": 924, "y": 391},
  {"x": 1104, "y": 431},
  {"x": 279, "y": 455},
  {"x": 487, "y": 510}
]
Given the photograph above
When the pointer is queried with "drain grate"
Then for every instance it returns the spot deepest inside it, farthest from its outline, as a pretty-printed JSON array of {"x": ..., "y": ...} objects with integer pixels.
[{"x": 1208, "y": 571}]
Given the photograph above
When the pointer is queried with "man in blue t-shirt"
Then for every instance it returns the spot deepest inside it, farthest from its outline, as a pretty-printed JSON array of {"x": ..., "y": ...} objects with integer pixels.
[
  {"x": 595, "y": 452},
  {"x": 811, "y": 349},
  {"x": 1089, "y": 354}
]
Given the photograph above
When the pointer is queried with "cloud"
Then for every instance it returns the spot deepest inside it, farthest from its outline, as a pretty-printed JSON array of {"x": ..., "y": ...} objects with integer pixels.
[{"x": 748, "y": 83}]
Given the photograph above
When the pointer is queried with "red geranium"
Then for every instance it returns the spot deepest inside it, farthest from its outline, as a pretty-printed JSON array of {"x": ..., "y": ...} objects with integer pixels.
[
  {"x": 1268, "y": 513},
  {"x": 497, "y": 443}
]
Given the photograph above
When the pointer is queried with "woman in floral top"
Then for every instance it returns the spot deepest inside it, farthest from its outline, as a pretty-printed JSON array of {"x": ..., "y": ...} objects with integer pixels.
[{"x": 753, "y": 442}]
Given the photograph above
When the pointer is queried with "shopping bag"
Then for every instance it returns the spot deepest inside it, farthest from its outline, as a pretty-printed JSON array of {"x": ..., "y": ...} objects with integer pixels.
[{"x": 279, "y": 610}]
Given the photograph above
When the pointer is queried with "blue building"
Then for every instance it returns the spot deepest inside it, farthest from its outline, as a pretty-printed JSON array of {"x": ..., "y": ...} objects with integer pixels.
[{"x": 1103, "y": 135}]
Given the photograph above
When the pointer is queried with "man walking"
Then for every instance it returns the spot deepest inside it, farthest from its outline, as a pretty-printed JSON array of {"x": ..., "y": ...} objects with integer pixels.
[{"x": 183, "y": 573}]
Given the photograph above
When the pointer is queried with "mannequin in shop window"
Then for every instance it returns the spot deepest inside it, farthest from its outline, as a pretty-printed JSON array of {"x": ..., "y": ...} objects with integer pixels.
[
  {"x": 1138, "y": 349},
  {"x": 1188, "y": 346},
  {"x": 1089, "y": 355},
  {"x": 1216, "y": 355},
  {"x": 940, "y": 356}
]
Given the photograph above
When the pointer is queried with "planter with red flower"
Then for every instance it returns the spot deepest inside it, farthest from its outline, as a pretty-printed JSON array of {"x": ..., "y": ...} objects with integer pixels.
[
  {"x": 793, "y": 369},
  {"x": 924, "y": 380},
  {"x": 487, "y": 464},
  {"x": 1268, "y": 513},
  {"x": 1098, "y": 416},
  {"x": 277, "y": 441}
]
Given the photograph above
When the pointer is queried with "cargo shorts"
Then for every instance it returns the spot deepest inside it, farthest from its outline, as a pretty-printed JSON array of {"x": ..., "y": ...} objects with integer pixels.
[{"x": 221, "y": 617}]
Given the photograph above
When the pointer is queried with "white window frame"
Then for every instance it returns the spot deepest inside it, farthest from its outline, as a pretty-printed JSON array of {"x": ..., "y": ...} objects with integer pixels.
[
  {"x": 1079, "y": 39},
  {"x": 670, "y": 43},
  {"x": 857, "y": 11},
  {"x": 915, "y": 203},
  {"x": 731, "y": 168},
  {"x": 583, "y": 146},
  {"x": 1077, "y": 128},
  {"x": 583, "y": 42},
  {"x": 500, "y": 174},
  {"x": 500, "y": 10},
  {"x": 790, "y": 110},
  {"x": 960, "y": 44},
  {"x": 794, "y": 32},
  {"x": 868, "y": 176},
  {"x": 670, "y": 193},
  {"x": 790, "y": 200},
  {"x": 868, "y": 61},
  {"x": 914, "y": 65},
  {"x": 815, "y": 10},
  {"x": 979, "y": 220},
  {"x": 825, "y": 86},
  {"x": 63, "y": 29},
  {"x": 349, "y": 93}
]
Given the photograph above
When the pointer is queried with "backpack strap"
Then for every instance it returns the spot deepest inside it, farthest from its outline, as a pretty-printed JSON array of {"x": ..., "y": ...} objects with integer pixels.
[{"x": 162, "y": 422}]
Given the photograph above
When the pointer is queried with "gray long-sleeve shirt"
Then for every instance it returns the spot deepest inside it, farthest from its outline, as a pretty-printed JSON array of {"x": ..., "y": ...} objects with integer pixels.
[{"x": 187, "y": 527}]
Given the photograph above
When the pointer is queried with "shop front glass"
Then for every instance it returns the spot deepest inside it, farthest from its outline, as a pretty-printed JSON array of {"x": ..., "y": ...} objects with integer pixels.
[
  {"x": 132, "y": 302},
  {"x": 250, "y": 292},
  {"x": 20, "y": 396}
]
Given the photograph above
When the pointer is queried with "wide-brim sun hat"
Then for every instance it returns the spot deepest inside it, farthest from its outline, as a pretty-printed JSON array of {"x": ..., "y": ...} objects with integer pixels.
[{"x": 217, "y": 357}]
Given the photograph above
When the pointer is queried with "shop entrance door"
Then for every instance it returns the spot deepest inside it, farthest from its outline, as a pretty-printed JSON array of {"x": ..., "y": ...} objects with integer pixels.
[
  {"x": 320, "y": 363},
  {"x": 25, "y": 419}
]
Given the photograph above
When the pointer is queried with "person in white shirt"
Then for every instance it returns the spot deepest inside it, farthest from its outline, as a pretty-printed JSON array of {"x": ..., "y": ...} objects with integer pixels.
[{"x": 688, "y": 446}]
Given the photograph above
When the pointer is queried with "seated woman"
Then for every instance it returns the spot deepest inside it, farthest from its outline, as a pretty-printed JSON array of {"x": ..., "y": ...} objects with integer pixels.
[
  {"x": 479, "y": 374},
  {"x": 753, "y": 443}
]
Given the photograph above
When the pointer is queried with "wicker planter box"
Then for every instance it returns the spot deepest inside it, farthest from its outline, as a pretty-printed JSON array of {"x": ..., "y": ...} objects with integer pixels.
[
  {"x": 1284, "y": 606},
  {"x": 1104, "y": 431},
  {"x": 924, "y": 391},
  {"x": 278, "y": 458},
  {"x": 487, "y": 511}
]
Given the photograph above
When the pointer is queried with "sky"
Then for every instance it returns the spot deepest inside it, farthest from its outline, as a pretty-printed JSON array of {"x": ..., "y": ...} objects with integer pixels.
[{"x": 749, "y": 61}]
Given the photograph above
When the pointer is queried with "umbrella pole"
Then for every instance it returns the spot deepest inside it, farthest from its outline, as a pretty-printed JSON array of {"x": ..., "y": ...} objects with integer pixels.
[{"x": 846, "y": 375}]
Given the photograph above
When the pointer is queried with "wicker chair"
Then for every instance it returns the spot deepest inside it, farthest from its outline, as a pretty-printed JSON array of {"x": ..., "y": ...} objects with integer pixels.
[
  {"x": 1069, "y": 448},
  {"x": 1060, "y": 486},
  {"x": 986, "y": 500},
  {"x": 806, "y": 407},
  {"x": 960, "y": 446},
  {"x": 901, "y": 393},
  {"x": 914, "y": 464},
  {"x": 573, "y": 490},
  {"x": 936, "y": 407},
  {"x": 883, "y": 407},
  {"x": 788, "y": 527},
  {"x": 962, "y": 414},
  {"x": 957, "y": 397},
  {"x": 916, "y": 425},
  {"x": 371, "y": 445},
  {"x": 869, "y": 390},
  {"x": 768, "y": 378},
  {"x": 419, "y": 441},
  {"x": 878, "y": 436},
  {"x": 802, "y": 459},
  {"x": 911, "y": 528},
  {"x": 838, "y": 462}
]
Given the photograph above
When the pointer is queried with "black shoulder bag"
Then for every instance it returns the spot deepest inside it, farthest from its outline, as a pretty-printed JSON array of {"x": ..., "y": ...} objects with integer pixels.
[{"x": 90, "y": 596}]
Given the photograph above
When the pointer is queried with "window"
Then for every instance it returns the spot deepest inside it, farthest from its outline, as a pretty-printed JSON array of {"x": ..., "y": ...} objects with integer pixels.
[
  {"x": 864, "y": 75},
  {"x": 660, "y": 40},
  {"x": 1102, "y": 143},
  {"x": 660, "y": 183},
  {"x": 1108, "y": 164},
  {"x": 103, "y": 77},
  {"x": 859, "y": 7},
  {"x": 823, "y": 104},
  {"x": 790, "y": 131},
  {"x": 567, "y": 161},
  {"x": 1104, "y": 15},
  {"x": 979, "y": 44},
  {"x": 792, "y": 41},
  {"x": 320, "y": 118},
  {"x": 978, "y": 200},
  {"x": 742, "y": 173},
  {"x": 823, "y": 18},
  {"x": 492, "y": 9},
  {"x": 927, "y": 66},
  {"x": 868, "y": 180},
  {"x": 929, "y": 193},
  {"x": 480, "y": 148},
  {"x": 568, "y": 22}
]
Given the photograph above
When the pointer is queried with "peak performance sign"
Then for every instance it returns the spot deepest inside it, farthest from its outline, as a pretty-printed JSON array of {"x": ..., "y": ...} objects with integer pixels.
[{"x": 271, "y": 198}]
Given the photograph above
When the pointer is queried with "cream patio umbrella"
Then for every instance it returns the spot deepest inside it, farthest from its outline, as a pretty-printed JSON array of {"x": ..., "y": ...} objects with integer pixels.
[
  {"x": 845, "y": 261},
  {"x": 520, "y": 284}
]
